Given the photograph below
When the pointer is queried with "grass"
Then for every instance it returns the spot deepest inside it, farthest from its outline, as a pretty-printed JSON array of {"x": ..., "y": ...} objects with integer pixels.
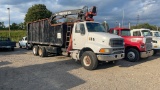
[{"x": 15, "y": 35}]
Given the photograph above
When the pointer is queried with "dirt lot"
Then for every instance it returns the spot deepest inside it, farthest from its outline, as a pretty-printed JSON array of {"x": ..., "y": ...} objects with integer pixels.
[{"x": 20, "y": 70}]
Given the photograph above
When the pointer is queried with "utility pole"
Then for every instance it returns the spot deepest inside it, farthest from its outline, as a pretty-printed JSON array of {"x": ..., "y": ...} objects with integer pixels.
[
  {"x": 129, "y": 25},
  {"x": 123, "y": 18},
  {"x": 137, "y": 19},
  {"x": 9, "y": 19}
]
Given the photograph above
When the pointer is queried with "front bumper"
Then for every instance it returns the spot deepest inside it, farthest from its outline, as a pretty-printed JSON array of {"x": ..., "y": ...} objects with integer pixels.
[
  {"x": 110, "y": 57},
  {"x": 146, "y": 54}
]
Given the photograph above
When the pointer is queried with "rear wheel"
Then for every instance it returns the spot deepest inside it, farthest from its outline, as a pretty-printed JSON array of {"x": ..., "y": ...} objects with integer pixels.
[
  {"x": 42, "y": 51},
  {"x": 35, "y": 50},
  {"x": 132, "y": 55},
  {"x": 12, "y": 48},
  {"x": 89, "y": 60}
]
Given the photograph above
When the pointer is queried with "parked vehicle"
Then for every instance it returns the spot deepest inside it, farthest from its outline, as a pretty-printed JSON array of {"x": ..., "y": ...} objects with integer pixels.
[
  {"x": 86, "y": 41},
  {"x": 23, "y": 43},
  {"x": 136, "y": 46},
  {"x": 6, "y": 43},
  {"x": 155, "y": 41}
]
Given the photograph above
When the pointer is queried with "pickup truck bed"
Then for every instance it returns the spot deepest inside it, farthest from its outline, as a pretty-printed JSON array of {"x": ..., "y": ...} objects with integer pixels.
[{"x": 6, "y": 43}]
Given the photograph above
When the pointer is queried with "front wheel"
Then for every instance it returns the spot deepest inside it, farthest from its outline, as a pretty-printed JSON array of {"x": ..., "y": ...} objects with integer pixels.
[
  {"x": 132, "y": 55},
  {"x": 89, "y": 60}
]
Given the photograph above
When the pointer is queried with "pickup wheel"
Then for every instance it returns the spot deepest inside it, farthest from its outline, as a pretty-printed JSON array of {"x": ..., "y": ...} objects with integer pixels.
[
  {"x": 12, "y": 48},
  {"x": 20, "y": 45},
  {"x": 27, "y": 47},
  {"x": 132, "y": 55},
  {"x": 35, "y": 50},
  {"x": 42, "y": 52},
  {"x": 89, "y": 60}
]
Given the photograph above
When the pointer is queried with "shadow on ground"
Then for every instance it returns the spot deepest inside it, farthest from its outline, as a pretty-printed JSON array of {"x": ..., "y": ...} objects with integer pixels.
[
  {"x": 124, "y": 63},
  {"x": 49, "y": 76}
]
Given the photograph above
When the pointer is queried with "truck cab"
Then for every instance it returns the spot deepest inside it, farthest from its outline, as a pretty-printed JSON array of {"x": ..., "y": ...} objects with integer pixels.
[
  {"x": 92, "y": 44},
  {"x": 136, "y": 46},
  {"x": 155, "y": 41}
]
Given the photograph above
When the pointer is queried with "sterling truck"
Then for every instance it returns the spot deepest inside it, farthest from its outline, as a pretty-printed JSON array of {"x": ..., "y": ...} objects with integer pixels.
[
  {"x": 136, "y": 46},
  {"x": 85, "y": 40}
]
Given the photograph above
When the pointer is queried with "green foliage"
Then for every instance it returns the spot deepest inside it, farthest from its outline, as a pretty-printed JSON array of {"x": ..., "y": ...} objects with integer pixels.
[
  {"x": 36, "y": 12},
  {"x": 145, "y": 25},
  {"x": 16, "y": 26},
  {"x": 16, "y": 35}
]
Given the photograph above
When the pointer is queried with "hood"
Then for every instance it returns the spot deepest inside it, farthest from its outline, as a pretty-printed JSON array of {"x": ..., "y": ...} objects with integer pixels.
[{"x": 103, "y": 37}]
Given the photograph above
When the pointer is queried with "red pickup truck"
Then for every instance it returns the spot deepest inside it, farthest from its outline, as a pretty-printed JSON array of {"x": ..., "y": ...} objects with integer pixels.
[{"x": 136, "y": 46}]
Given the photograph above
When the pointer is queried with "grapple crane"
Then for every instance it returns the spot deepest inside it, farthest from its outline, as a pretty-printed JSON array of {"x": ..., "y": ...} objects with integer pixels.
[{"x": 83, "y": 14}]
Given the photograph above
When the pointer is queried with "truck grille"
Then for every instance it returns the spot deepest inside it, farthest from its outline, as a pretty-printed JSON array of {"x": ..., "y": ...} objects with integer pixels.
[
  {"x": 148, "y": 46},
  {"x": 116, "y": 42},
  {"x": 148, "y": 40}
]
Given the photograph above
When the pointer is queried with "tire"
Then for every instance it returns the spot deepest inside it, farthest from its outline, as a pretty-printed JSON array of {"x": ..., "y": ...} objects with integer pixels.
[
  {"x": 154, "y": 52},
  {"x": 27, "y": 47},
  {"x": 89, "y": 60},
  {"x": 42, "y": 51},
  {"x": 132, "y": 55},
  {"x": 12, "y": 49},
  {"x": 20, "y": 46},
  {"x": 35, "y": 50}
]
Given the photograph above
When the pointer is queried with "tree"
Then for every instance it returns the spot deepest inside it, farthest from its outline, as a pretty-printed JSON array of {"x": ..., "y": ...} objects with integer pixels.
[
  {"x": 36, "y": 12},
  {"x": 144, "y": 25}
]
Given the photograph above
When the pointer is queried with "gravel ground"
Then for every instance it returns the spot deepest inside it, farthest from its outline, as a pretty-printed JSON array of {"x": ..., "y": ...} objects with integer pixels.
[{"x": 21, "y": 70}]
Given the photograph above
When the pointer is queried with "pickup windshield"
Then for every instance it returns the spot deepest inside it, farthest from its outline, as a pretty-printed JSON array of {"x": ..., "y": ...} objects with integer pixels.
[
  {"x": 95, "y": 27},
  {"x": 156, "y": 34},
  {"x": 146, "y": 33},
  {"x": 125, "y": 32}
]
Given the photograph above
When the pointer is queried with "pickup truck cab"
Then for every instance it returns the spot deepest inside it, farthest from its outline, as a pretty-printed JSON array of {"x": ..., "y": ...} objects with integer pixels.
[
  {"x": 136, "y": 46},
  {"x": 155, "y": 41},
  {"x": 6, "y": 43},
  {"x": 23, "y": 43}
]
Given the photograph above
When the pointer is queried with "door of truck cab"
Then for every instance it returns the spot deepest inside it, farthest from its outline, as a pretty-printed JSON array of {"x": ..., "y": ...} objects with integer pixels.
[{"x": 79, "y": 35}]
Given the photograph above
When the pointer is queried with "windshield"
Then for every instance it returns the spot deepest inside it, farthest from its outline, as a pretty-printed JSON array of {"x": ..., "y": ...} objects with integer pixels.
[
  {"x": 146, "y": 33},
  {"x": 95, "y": 27},
  {"x": 156, "y": 34},
  {"x": 125, "y": 32}
]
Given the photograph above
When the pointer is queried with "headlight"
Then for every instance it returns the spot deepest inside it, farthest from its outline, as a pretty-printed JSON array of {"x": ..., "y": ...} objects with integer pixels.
[
  {"x": 154, "y": 41},
  {"x": 104, "y": 50}
]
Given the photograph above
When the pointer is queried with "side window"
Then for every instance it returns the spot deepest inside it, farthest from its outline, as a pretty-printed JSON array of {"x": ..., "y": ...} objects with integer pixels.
[
  {"x": 77, "y": 29},
  {"x": 82, "y": 28},
  {"x": 137, "y": 33}
]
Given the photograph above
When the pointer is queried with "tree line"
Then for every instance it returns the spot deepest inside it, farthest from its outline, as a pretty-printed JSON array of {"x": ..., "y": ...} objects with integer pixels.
[{"x": 13, "y": 26}]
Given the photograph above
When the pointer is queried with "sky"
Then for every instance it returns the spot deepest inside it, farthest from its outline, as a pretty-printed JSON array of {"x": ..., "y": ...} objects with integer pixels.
[{"x": 111, "y": 11}]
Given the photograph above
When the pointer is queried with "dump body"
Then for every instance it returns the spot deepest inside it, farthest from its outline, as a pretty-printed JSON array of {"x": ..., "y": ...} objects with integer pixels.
[{"x": 43, "y": 33}]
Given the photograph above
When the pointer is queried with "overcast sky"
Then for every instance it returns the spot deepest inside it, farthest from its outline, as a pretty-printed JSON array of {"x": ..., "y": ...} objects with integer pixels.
[{"x": 108, "y": 10}]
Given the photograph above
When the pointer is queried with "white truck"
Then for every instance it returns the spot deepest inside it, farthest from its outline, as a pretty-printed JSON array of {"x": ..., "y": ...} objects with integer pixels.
[
  {"x": 85, "y": 40},
  {"x": 147, "y": 34},
  {"x": 155, "y": 40}
]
